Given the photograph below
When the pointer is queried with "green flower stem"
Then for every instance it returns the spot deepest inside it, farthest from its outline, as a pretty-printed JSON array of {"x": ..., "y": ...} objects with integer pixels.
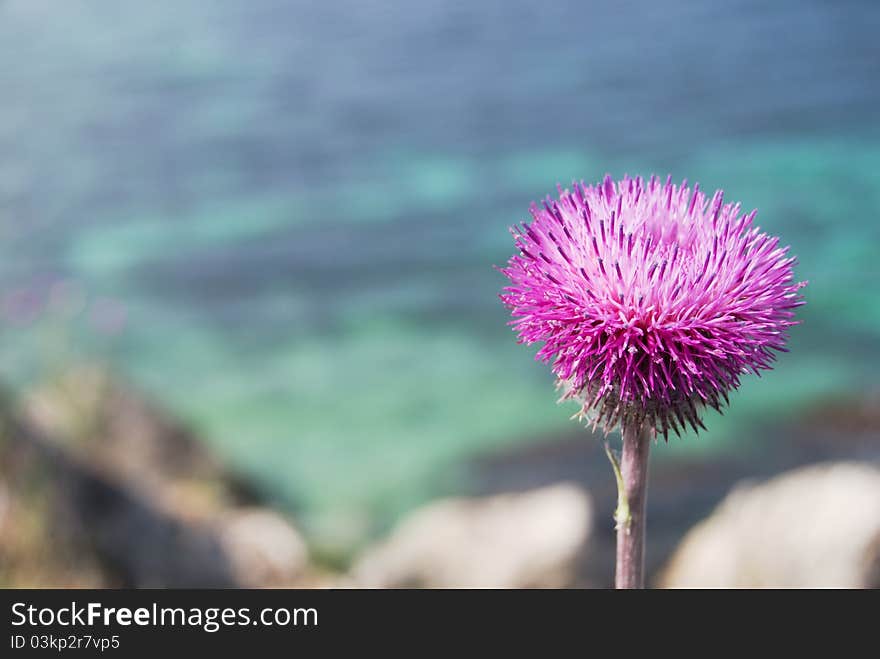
[{"x": 621, "y": 513}]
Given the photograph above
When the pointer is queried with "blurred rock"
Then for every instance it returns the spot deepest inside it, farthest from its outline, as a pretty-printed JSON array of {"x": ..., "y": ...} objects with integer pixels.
[
  {"x": 117, "y": 483},
  {"x": 34, "y": 552},
  {"x": 518, "y": 540},
  {"x": 812, "y": 527},
  {"x": 119, "y": 432},
  {"x": 262, "y": 548}
]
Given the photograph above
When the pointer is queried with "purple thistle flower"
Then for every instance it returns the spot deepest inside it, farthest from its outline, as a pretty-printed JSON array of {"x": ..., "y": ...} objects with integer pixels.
[{"x": 651, "y": 300}]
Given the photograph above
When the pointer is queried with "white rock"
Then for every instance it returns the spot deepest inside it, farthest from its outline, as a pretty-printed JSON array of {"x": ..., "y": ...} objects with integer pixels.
[
  {"x": 263, "y": 548},
  {"x": 813, "y": 527},
  {"x": 528, "y": 539}
]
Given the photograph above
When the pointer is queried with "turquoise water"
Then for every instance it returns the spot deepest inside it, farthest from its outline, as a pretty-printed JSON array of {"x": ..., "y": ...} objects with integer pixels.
[{"x": 281, "y": 218}]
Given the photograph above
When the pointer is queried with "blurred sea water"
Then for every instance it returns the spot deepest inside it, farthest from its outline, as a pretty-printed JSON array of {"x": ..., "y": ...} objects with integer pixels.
[{"x": 291, "y": 210}]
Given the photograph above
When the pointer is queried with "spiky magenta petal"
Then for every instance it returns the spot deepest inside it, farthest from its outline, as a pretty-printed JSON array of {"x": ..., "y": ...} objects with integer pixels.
[{"x": 650, "y": 299}]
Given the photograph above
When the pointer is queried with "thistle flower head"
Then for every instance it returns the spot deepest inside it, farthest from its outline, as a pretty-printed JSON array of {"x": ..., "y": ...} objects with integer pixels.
[{"x": 650, "y": 299}]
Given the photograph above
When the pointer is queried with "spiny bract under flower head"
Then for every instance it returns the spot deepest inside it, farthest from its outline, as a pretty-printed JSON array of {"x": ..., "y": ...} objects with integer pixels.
[{"x": 651, "y": 300}]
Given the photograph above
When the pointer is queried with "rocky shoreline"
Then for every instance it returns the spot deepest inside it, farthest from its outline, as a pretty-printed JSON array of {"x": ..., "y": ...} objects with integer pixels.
[
  {"x": 121, "y": 495},
  {"x": 683, "y": 491},
  {"x": 100, "y": 487}
]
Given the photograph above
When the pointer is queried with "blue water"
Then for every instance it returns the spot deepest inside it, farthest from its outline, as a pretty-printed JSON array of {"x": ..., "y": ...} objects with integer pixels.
[{"x": 280, "y": 217}]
